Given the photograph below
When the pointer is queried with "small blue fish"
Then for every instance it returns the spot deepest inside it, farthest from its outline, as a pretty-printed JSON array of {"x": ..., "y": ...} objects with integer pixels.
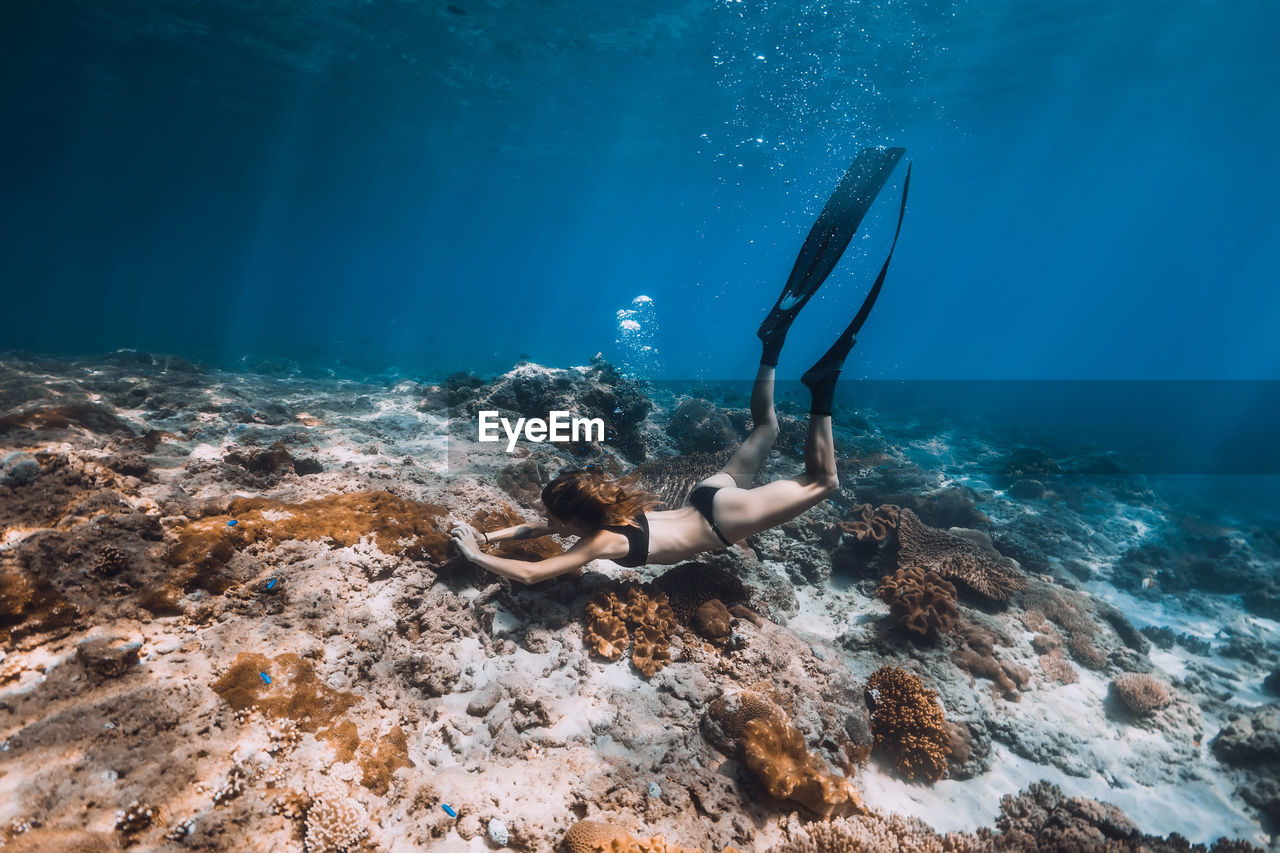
[
  {"x": 265, "y": 677},
  {"x": 618, "y": 411},
  {"x": 232, "y": 523},
  {"x": 448, "y": 810},
  {"x": 271, "y": 583}
]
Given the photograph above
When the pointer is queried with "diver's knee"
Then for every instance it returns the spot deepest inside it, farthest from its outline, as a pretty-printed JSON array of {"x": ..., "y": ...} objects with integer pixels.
[
  {"x": 768, "y": 429},
  {"x": 828, "y": 483}
]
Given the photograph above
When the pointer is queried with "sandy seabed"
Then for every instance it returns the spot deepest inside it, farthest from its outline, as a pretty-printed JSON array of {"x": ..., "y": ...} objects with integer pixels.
[{"x": 231, "y": 619}]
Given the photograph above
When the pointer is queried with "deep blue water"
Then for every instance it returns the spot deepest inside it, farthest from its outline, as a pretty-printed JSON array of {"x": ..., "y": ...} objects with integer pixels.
[{"x": 440, "y": 185}]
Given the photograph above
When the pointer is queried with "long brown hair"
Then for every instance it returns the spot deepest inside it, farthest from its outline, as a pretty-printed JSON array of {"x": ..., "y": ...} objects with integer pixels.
[{"x": 595, "y": 499}]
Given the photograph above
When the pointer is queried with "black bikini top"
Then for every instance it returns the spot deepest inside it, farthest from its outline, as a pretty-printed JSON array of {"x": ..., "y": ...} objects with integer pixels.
[{"x": 638, "y": 554}]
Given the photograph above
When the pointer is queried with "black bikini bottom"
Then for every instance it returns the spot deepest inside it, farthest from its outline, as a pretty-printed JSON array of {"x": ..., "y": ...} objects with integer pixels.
[{"x": 701, "y": 499}]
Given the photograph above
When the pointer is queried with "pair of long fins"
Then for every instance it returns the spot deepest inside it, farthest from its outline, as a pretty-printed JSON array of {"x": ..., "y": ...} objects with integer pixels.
[{"x": 830, "y": 236}]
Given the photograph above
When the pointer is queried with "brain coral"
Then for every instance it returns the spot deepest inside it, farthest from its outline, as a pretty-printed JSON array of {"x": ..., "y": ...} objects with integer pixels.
[
  {"x": 597, "y": 836},
  {"x": 920, "y": 601},
  {"x": 1141, "y": 694},
  {"x": 908, "y": 723},
  {"x": 983, "y": 570},
  {"x": 730, "y": 713}
]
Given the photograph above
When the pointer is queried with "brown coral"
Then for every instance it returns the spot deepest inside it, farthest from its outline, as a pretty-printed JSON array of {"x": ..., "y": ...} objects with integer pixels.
[
  {"x": 61, "y": 841},
  {"x": 295, "y": 691},
  {"x": 606, "y": 629},
  {"x": 647, "y": 614},
  {"x": 30, "y": 605},
  {"x": 879, "y": 832},
  {"x": 871, "y": 525},
  {"x": 398, "y": 526},
  {"x": 908, "y": 724},
  {"x": 516, "y": 549},
  {"x": 1058, "y": 668},
  {"x": 1141, "y": 694},
  {"x": 983, "y": 570},
  {"x": 382, "y": 759},
  {"x": 598, "y": 836},
  {"x": 713, "y": 621},
  {"x": 920, "y": 601},
  {"x": 651, "y": 650},
  {"x": 775, "y": 751}
]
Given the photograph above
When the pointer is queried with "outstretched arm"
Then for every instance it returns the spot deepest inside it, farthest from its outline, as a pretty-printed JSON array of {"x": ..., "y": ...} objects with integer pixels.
[
  {"x": 526, "y": 571},
  {"x": 517, "y": 533}
]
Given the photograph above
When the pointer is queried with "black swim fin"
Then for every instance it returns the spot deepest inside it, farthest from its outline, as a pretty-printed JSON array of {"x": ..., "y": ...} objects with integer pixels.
[
  {"x": 827, "y": 240},
  {"x": 821, "y": 378}
]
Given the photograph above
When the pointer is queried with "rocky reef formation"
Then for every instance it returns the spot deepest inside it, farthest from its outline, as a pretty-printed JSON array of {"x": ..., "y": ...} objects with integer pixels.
[{"x": 230, "y": 619}]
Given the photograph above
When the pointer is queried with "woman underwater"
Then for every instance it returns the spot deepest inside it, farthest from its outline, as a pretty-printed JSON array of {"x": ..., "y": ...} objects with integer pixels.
[{"x": 612, "y": 519}]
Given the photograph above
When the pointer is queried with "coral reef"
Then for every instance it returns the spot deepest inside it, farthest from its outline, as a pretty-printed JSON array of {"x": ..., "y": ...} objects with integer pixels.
[
  {"x": 335, "y": 822},
  {"x": 976, "y": 656},
  {"x": 713, "y": 621},
  {"x": 647, "y": 615},
  {"x": 671, "y": 478},
  {"x": 1140, "y": 693},
  {"x": 871, "y": 525},
  {"x": 776, "y": 753},
  {"x": 597, "y": 836},
  {"x": 877, "y": 831},
  {"x": 750, "y": 724},
  {"x": 697, "y": 426},
  {"x": 920, "y": 601},
  {"x": 908, "y": 724},
  {"x": 982, "y": 570},
  {"x": 293, "y": 690}
]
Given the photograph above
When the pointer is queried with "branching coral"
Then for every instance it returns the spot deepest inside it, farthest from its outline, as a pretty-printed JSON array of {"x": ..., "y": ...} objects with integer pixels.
[
  {"x": 920, "y": 601},
  {"x": 908, "y": 724},
  {"x": 871, "y": 525},
  {"x": 1058, "y": 668},
  {"x": 1141, "y": 694},
  {"x": 983, "y": 570},
  {"x": 335, "y": 822},
  {"x": 878, "y": 832}
]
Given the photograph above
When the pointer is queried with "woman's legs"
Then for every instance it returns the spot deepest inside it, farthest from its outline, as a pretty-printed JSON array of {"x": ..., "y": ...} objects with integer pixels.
[
  {"x": 744, "y": 512},
  {"x": 750, "y": 457}
]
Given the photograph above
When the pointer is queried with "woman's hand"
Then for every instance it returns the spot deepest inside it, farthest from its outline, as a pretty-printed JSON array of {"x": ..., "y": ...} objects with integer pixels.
[{"x": 464, "y": 536}]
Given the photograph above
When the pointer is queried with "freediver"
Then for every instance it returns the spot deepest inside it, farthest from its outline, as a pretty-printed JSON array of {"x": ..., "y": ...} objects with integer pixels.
[{"x": 612, "y": 518}]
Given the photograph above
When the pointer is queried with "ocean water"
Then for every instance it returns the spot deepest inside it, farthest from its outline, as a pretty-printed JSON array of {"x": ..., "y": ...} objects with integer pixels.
[
  {"x": 435, "y": 185},
  {"x": 276, "y": 250}
]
